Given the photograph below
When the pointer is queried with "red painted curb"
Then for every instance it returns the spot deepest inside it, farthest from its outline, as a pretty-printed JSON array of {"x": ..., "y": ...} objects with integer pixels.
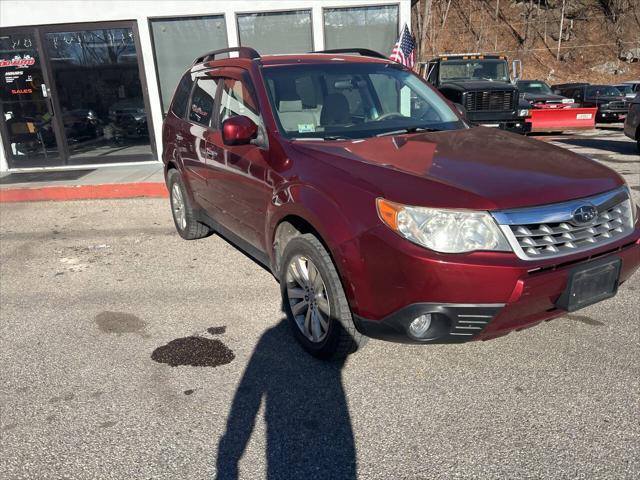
[{"x": 84, "y": 192}]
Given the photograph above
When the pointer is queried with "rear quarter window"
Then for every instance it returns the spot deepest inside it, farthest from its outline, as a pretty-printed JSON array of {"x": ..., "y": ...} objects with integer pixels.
[{"x": 181, "y": 97}]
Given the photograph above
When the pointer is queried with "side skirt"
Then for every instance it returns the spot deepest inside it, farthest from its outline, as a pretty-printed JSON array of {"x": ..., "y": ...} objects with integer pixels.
[{"x": 255, "y": 254}]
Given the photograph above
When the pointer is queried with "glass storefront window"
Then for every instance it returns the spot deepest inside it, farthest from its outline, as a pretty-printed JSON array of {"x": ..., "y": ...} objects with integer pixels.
[
  {"x": 276, "y": 32},
  {"x": 374, "y": 27},
  {"x": 99, "y": 91},
  {"x": 177, "y": 41},
  {"x": 25, "y": 109}
]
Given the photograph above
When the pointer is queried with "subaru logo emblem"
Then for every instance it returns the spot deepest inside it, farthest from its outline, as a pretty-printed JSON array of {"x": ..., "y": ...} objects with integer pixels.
[{"x": 585, "y": 214}]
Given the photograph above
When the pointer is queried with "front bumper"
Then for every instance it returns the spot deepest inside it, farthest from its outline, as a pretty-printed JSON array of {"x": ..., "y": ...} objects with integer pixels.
[
  {"x": 399, "y": 282},
  {"x": 611, "y": 115},
  {"x": 450, "y": 323}
]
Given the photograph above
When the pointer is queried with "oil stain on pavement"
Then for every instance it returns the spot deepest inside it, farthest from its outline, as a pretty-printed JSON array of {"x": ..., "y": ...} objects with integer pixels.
[
  {"x": 194, "y": 351},
  {"x": 119, "y": 323}
]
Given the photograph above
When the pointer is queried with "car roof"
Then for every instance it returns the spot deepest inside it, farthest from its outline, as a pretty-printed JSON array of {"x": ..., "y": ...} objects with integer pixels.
[
  {"x": 291, "y": 59},
  {"x": 246, "y": 56},
  {"x": 573, "y": 84},
  {"x": 467, "y": 56}
]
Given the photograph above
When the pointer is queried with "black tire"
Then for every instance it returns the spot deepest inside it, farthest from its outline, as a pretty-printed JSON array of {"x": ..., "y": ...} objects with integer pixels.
[
  {"x": 189, "y": 228},
  {"x": 341, "y": 338}
]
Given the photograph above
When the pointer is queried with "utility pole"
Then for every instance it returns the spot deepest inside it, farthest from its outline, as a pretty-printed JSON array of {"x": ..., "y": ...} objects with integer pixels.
[{"x": 560, "y": 34}]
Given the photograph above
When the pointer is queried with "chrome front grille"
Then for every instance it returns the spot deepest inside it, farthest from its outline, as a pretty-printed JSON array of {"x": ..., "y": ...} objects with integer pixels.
[
  {"x": 618, "y": 106},
  {"x": 552, "y": 230}
]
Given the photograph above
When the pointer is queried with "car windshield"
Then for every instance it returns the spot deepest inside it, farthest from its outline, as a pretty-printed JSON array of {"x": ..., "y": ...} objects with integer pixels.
[
  {"x": 625, "y": 89},
  {"x": 354, "y": 100},
  {"x": 536, "y": 88},
  {"x": 495, "y": 70},
  {"x": 603, "y": 91}
]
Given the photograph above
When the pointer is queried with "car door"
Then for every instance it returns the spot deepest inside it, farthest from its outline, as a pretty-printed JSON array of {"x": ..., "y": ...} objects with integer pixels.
[
  {"x": 200, "y": 123},
  {"x": 239, "y": 182}
]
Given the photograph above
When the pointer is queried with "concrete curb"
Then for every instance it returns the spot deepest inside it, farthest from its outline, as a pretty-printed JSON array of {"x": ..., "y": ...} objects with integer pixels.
[{"x": 84, "y": 192}]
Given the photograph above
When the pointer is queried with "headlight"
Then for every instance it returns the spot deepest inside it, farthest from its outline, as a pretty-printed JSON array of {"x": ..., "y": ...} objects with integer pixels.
[
  {"x": 523, "y": 112},
  {"x": 445, "y": 231}
]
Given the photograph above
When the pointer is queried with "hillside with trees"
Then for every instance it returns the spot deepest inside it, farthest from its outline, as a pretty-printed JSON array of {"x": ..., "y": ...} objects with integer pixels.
[{"x": 557, "y": 40}]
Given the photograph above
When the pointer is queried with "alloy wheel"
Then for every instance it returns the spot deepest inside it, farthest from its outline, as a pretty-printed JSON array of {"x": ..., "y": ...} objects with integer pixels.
[
  {"x": 177, "y": 205},
  {"x": 308, "y": 298}
]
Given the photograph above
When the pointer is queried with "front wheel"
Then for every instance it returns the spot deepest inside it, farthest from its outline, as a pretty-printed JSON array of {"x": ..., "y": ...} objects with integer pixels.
[{"x": 315, "y": 302}]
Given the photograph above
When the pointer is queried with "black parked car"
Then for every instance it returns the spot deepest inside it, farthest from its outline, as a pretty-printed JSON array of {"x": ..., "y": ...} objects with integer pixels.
[
  {"x": 611, "y": 103},
  {"x": 537, "y": 92}
]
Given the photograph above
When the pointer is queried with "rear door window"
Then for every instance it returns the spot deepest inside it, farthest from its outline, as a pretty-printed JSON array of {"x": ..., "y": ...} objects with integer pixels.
[{"x": 202, "y": 102}]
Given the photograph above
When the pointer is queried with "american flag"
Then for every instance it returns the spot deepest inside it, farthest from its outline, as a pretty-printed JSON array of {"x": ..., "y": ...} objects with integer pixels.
[{"x": 404, "y": 51}]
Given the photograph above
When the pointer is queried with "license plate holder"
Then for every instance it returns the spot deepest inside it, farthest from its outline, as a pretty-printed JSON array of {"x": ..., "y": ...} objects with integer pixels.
[{"x": 590, "y": 283}]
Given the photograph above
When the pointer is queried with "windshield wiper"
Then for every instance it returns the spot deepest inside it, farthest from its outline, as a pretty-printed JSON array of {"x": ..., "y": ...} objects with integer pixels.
[
  {"x": 335, "y": 137},
  {"x": 409, "y": 130},
  {"x": 325, "y": 138}
]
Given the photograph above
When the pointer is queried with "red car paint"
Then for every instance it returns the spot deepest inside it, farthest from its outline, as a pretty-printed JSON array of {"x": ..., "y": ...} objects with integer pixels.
[{"x": 333, "y": 186}]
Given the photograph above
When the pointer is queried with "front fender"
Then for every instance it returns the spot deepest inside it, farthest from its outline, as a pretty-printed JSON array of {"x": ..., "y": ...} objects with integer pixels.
[{"x": 336, "y": 220}]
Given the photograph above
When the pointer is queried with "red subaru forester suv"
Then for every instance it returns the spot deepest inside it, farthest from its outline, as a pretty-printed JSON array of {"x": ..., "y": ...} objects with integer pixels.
[{"x": 380, "y": 210}]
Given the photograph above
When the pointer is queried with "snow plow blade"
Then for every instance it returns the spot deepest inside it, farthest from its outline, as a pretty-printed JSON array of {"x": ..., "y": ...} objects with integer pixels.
[{"x": 559, "y": 119}]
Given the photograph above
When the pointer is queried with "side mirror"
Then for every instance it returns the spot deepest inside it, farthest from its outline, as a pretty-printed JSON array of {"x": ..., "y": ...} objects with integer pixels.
[
  {"x": 238, "y": 130},
  {"x": 461, "y": 110}
]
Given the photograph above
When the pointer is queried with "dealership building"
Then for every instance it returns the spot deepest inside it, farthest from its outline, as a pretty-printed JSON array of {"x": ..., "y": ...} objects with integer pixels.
[{"x": 88, "y": 82}]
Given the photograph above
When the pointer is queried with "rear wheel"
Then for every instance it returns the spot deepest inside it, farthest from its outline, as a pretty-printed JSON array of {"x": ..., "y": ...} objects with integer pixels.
[
  {"x": 315, "y": 302},
  {"x": 183, "y": 215}
]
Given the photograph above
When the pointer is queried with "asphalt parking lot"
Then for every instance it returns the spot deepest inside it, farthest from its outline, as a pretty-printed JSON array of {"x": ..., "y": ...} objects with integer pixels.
[{"x": 126, "y": 352}]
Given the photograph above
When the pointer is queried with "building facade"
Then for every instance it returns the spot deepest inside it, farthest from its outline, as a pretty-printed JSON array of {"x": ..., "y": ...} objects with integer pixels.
[{"x": 88, "y": 82}]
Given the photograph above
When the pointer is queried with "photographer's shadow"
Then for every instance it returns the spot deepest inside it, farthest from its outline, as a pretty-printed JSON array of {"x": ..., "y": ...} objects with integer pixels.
[{"x": 309, "y": 432}]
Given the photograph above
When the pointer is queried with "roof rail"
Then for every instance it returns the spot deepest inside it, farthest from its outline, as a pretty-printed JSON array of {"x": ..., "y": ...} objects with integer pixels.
[
  {"x": 365, "y": 52},
  {"x": 243, "y": 52}
]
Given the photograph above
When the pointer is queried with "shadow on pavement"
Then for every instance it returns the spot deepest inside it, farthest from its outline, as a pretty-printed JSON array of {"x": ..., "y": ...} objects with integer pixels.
[
  {"x": 308, "y": 428},
  {"x": 625, "y": 147}
]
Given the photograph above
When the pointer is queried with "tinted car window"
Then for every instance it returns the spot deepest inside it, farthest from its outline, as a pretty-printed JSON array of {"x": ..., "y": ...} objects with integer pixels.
[
  {"x": 534, "y": 87},
  {"x": 181, "y": 97},
  {"x": 202, "y": 101},
  {"x": 603, "y": 90}
]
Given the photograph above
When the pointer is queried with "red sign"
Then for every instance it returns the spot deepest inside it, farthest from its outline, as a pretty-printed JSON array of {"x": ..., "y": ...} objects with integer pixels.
[
  {"x": 17, "y": 62},
  {"x": 22, "y": 91}
]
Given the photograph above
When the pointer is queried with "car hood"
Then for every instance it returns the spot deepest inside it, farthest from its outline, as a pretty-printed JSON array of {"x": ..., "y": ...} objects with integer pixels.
[
  {"x": 543, "y": 97},
  {"x": 607, "y": 98},
  {"x": 483, "y": 85},
  {"x": 479, "y": 168}
]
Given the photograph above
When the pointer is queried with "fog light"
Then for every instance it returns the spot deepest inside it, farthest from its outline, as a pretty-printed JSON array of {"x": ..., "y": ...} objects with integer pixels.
[{"x": 419, "y": 326}]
